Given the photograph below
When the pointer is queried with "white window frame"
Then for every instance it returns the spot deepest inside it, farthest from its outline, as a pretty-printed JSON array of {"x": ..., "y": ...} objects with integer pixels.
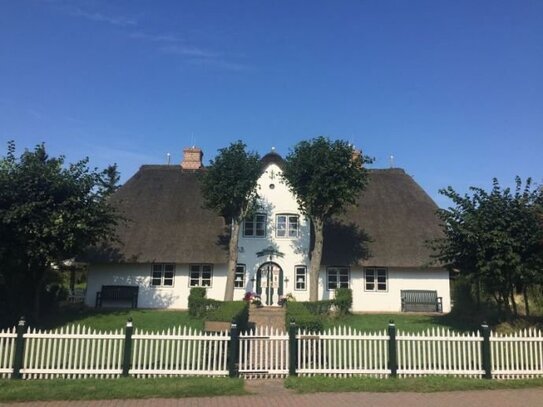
[
  {"x": 376, "y": 276},
  {"x": 302, "y": 275},
  {"x": 160, "y": 275},
  {"x": 200, "y": 270},
  {"x": 240, "y": 269},
  {"x": 338, "y": 271},
  {"x": 254, "y": 220},
  {"x": 288, "y": 230}
]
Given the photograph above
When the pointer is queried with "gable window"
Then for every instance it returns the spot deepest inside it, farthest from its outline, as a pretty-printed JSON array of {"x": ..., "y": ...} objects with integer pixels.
[
  {"x": 300, "y": 275},
  {"x": 239, "y": 279},
  {"x": 200, "y": 275},
  {"x": 255, "y": 226},
  {"x": 162, "y": 275},
  {"x": 286, "y": 225},
  {"x": 376, "y": 279},
  {"x": 337, "y": 277}
]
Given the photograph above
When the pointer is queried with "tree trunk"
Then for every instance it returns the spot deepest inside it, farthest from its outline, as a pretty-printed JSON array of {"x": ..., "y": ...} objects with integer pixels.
[
  {"x": 526, "y": 303},
  {"x": 478, "y": 293},
  {"x": 316, "y": 256},
  {"x": 232, "y": 261},
  {"x": 513, "y": 302},
  {"x": 39, "y": 279}
]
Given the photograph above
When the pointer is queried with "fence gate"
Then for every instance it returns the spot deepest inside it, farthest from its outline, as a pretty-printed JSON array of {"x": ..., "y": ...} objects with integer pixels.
[{"x": 263, "y": 353}]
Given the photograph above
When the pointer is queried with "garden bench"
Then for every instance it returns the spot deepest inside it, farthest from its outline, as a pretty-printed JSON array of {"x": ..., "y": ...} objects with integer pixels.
[
  {"x": 118, "y": 293},
  {"x": 421, "y": 301}
]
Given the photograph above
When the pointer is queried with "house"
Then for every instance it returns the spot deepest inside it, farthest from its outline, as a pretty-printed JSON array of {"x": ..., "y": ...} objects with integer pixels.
[{"x": 170, "y": 243}]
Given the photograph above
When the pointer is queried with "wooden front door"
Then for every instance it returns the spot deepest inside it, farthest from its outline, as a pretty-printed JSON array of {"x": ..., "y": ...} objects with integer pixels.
[{"x": 269, "y": 283}]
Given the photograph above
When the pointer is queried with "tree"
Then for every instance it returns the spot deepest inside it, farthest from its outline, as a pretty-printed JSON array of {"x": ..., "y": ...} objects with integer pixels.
[
  {"x": 110, "y": 179},
  {"x": 229, "y": 188},
  {"x": 325, "y": 176},
  {"x": 494, "y": 238},
  {"x": 49, "y": 212}
]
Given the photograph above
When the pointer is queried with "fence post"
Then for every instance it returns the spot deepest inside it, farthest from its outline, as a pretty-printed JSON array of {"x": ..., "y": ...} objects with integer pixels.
[
  {"x": 233, "y": 350},
  {"x": 392, "y": 355},
  {"x": 485, "y": 350},
  {"x": 127, "y": 356},
  {"x": 293, "y": 349},
  {"x": 19, "y": 349}
]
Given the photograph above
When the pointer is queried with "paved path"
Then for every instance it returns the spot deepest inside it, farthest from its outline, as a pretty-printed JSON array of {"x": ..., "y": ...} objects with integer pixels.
[{"x": 486, "y": 398}]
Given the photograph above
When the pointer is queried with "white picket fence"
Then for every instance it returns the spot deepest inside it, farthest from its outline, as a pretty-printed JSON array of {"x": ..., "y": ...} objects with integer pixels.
[
  {"x": 342, "y": 352},
  {"x": 179, "y": 352},
  {"x": 7, "y": 351},
  {"x": 78, "y": 352},
  {"x": 439, "y": 352},
  {"x": 263, "y": 352},
  {"x": 517, "y": 355},
  {"x": 72, "y": 352}
]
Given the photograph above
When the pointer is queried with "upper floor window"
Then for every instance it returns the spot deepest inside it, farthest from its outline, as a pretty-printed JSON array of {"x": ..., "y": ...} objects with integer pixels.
[
  {"x": 286, "y": 225},
  {"x": 200, "y": 275},
  {"x": 239, "y": 279},
  {"x": 337, "y": 277},
  {"x": 255, "y": 226},
  {"x": 376, "y": 279},
  {"x": 162, "y": 275}
]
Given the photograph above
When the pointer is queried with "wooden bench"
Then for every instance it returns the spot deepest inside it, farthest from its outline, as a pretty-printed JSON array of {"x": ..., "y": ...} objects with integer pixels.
[
  {"x": 421, "y": 301},
  {"x": 118, "y": 293}
]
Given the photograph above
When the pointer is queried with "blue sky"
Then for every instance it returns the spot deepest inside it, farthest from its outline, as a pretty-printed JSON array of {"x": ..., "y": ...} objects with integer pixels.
[{"x": 452, "y": 89}]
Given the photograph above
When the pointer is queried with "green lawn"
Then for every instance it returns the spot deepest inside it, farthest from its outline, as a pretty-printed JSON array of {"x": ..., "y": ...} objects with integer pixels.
[
  {"x": 406, "y": 322},
  {"x": 111, "y": 319},
  {"x": 125, "y": 388},
  {"x": 420, "y": 384}
]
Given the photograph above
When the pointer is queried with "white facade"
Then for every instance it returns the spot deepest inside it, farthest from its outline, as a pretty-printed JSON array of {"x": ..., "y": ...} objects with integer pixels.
[
  {"x": 272, "y": 255},
  {"x": 149, "y": 296}
]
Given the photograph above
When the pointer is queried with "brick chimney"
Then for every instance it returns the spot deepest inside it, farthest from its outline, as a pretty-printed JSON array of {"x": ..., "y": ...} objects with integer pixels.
[
  {"x": 192, "y": 158},
  {"x": 356, "y": 154}
]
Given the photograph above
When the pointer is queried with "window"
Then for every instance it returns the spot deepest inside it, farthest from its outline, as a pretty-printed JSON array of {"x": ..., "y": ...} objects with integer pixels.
[
  {"x": 376, "y": 279},
  {"x": 338, "y": 277},
  {"x": 162, "y": 275},
  {"x": 255, "y": 226},
  {"x": 300, "y": 274},
  {"x": 200, "y": 275},
  {"x": 286, "y": 226},
  {"x": 239, "y": 279}
]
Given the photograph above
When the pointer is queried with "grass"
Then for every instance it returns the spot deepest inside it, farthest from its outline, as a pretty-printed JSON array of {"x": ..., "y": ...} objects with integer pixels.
[
  {"x": 124, "y": 388},
  {"x": 111, "y": 319},
  {"x": 427, "y": 384},
  {"x": 404, "y": 322}
]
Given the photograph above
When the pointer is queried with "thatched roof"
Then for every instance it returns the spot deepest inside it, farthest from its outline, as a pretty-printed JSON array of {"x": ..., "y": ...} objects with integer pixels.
[
  {"x": 390, "y": 226},
  {"x": 167, "y": 223}
]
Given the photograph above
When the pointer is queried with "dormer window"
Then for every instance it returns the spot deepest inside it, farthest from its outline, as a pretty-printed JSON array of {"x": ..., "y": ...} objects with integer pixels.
[
  {"x": 255, "y": 226},
  {"x": 287, "y": 225}
]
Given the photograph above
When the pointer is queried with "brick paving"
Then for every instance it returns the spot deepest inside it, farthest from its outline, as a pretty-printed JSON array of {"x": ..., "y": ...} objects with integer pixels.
[{"x": 485, "y": 398}]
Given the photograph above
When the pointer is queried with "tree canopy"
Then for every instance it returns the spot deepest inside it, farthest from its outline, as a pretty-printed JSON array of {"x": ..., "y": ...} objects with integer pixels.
[
  {"x": 50, "y": 211},
  {"x": 494, "y": 240},
  {"x": 229, "y": 187},
  {"x": 326, "y": 177}
]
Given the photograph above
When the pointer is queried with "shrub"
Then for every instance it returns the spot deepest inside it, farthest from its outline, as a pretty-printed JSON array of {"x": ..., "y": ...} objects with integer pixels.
[
  {"x": 322, "y": 307},
  {"x": 308, "y": 315},
  {"x": 198, "y": 303},
  {"x": 343, "y": 300},
  {"x": 231, "y": 311}
]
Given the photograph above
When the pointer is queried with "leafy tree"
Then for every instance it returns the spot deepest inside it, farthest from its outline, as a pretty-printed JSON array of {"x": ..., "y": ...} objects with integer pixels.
[
  {"x": 494, "y": 238},
  {"x": 49, "y": 212},
  {"x": 110, "y": 179},
  {"x": 325, "y": 176},
  {"x": 229, "y": 188}
]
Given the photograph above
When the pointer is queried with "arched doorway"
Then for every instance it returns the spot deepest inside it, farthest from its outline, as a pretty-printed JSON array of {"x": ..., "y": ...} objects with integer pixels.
[{"x": 269, "y": 283}]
